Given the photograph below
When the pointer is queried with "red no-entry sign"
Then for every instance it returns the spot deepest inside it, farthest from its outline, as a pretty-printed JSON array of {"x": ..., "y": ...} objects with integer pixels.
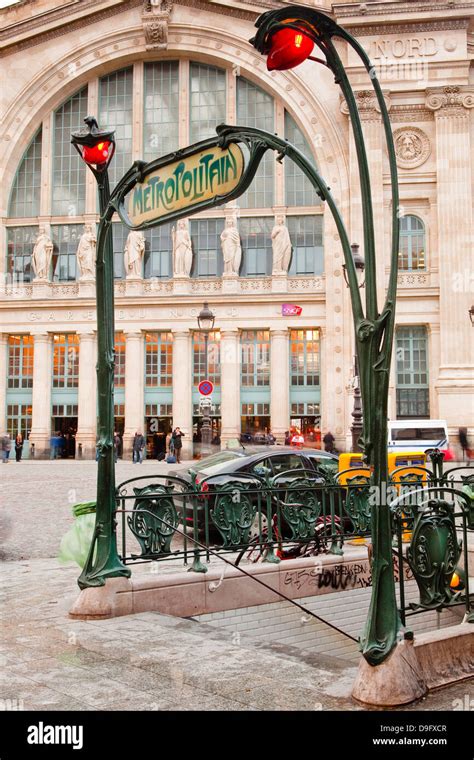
[{"x": 205, "y": 387}]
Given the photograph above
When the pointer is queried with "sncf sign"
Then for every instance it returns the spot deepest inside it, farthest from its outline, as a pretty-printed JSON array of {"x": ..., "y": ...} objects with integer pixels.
[{"x": 290, "y": 310}]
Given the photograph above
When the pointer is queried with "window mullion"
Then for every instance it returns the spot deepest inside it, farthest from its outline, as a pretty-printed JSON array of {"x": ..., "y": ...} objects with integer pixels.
[
  {"x": 184, "y": 111},
  {"x": 46, "y": 167},
  {"x": 138, "y": 110}
]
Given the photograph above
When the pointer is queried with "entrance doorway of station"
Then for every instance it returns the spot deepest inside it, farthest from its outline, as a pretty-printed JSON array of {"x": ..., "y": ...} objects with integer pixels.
[
  {"x": 63, "y": 431},
  {"x": 309, "y": 426},
  {"x": 255, "y": 422},
  {"x": 158, "y": 425}
]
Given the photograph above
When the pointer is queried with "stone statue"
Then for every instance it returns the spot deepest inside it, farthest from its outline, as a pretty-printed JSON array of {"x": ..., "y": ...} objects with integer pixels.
[
  {"x": 231, "y": 248},
  {"x": 42, "y": 255},
  {"x": 86, "y": 253},
  {"x": 182, "y": 250},
  {"x": 133, "y": 253},
  {"x": 281, "y": 245}
]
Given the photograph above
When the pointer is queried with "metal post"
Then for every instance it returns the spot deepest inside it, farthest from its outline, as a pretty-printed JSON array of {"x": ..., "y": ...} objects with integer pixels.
[
  {"x": 103, "y": 560},
  {"x": 206, "y": 430},
  {"x": 357, "y": 414}
]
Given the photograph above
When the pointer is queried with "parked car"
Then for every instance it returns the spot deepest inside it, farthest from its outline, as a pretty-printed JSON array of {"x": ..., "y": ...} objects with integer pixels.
[
  {"x": 252, "y": 466},
  {"x": 263, "y": 439}
]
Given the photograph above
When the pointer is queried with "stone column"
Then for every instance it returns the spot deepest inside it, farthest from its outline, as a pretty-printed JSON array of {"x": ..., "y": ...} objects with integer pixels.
[
  {"x": 182, "y": 384},
  {"x": 433, "y": 365},
  {"x": 3, "y": 380},
  {"x": 87, "y": 397},
  {"x": 279, "y": 384},
  {"x": 42, "y": 377},
  {"x": 230, "y": 386},
  {"x": 134, "y": 380},
  {"x": 455, "y": 224}
]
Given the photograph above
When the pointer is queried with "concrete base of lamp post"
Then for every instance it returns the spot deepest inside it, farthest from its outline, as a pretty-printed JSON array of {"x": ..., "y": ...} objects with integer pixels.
[{"x": 432, "y": 659}]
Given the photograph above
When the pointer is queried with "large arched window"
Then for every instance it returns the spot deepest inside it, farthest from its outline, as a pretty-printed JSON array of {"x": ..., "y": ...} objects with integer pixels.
[
  {"x": 177, "y": 103},
  {"x": 412, "y": 253},
  {"x": 69, "y": 175},
  {"x": 26, "y": 190}
]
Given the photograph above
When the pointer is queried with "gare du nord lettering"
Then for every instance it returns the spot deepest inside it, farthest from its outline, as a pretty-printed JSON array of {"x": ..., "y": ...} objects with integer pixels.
[{"x": 186, "y": 182}]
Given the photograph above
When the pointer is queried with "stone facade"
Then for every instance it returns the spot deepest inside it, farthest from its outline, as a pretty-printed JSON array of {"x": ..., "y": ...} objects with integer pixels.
[{"x": 424, "y": 57}]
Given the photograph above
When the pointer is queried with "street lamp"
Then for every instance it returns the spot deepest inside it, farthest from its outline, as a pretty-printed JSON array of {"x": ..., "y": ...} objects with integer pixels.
[
  {"x": 205, "y": 320},
  {"x": 96, "y": 147},
  {"x": 285, "y": 36},
  {"x": 471, "y": 315},
  {"x": 357, "y": 413}
]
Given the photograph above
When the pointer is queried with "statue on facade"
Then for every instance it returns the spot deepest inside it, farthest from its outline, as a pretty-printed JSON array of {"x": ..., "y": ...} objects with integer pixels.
[
  {"x": 231, "y": 248},
  {"x": 86, "y": 253},
  {"x": 42, "y": 255},
  {"x": 133, "y": 253},
  {"x": 182, "y": 250},
  {"x": 281, "y": 246}
]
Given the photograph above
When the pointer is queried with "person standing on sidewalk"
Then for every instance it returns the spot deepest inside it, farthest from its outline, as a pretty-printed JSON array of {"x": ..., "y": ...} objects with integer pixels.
[
  {"x": 138, "y": 447},
  {"x": 177, "y": 443},
  {"x": 18, "y": 447}
]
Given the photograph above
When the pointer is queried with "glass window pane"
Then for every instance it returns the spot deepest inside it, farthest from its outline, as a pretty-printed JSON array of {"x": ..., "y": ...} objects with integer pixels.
[
  {"x": 20, "y": 244},
  {"x": 412, "y": 244},
  {"x": 306, "y": 234},
  {"x": 26, "y": 189},
  {"x": 158, "y": 359},
  {"x": 205, "y": 236},
  {"x": 158, "y": 252},
  {"x": 69, "y": 172},
  {"x": 256, "y": 242},
  {"x": 412, "y": 372},
  {"x": 255, "y": 108},
  {"x": 161, "y": 110},
  {"x": 255, "y": 358},
  {"x": 115, "y": 112},
  {"x": 207, "y": 106},
  {"x": 65, "y": 241},
  {"x": 213, "y": 358},
  {"x": 298, "y": 189}
]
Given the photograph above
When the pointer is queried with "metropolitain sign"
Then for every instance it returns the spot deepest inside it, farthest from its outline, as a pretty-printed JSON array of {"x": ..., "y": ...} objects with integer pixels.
[{"x": 186, "y": 183}]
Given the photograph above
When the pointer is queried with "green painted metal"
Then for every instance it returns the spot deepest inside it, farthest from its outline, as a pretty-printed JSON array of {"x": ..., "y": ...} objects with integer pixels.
[
  {"x": 103, "y": 561},
  {"x": 233, "y": 513},
  {"x": 374, "y": 329},
  {"x": 154, "y": 519},
  {"x": 357, "y": 503},
  {"x": 433, "y": 554}
]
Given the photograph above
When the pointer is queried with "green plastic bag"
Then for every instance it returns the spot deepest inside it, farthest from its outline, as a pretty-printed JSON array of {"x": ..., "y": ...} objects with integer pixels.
[{"x": 75, "y": 544}]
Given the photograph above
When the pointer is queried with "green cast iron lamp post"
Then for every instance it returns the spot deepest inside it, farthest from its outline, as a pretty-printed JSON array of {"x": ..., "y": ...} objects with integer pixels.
[
  {"x": 287, "y": 37},
  {"x": 96, "y": 148},
  {"x": 357, "y": 412}
]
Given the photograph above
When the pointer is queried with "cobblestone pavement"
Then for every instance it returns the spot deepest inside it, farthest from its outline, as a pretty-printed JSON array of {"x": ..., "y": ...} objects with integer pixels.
[
  {"x": 142, "y": 662},
  {"x": 37, "y": 497}
]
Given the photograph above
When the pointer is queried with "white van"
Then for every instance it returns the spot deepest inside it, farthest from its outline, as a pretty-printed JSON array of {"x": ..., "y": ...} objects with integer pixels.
[{"x": 417, "y": 435}]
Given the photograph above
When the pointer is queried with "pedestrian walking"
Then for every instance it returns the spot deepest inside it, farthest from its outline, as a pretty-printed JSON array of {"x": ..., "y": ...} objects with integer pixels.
[
  {"x": 328, "y": 441},
  {"x": 6, "y": 446},
  {"x": 464, "y": 443},
  {"x": 18, "y": 447},
  {"x": 117, "y": 442},
  {"x": 138, "y": 447},
  {"x": 176, "y": 443}
]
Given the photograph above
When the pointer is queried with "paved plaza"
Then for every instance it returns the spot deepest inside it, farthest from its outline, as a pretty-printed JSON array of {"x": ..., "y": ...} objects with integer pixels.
[{"x": 149, "y": 661}]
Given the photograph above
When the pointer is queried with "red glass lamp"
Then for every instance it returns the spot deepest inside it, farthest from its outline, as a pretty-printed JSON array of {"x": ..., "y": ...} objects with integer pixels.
[
  {"x": 289, "y": 48},
  {"x": 95, "y": 146}
]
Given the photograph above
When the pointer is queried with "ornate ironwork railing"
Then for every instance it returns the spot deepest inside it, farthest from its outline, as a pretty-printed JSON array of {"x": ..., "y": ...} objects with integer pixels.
[{"x": 305, "y": 513}]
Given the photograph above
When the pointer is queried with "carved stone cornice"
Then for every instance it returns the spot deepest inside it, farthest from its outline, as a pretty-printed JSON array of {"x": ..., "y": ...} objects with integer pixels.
[
  {"x": 367, "y": 105},
  {"x": 452, "y": 100},
  {"x": 381, "y": 29},
  {"x": 407, "y": 114},
  {"x": 37, "y": 35}
]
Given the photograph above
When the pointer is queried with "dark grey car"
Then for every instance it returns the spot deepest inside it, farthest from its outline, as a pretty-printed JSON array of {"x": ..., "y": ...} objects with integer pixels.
[{"x": 261, "y": 463}]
